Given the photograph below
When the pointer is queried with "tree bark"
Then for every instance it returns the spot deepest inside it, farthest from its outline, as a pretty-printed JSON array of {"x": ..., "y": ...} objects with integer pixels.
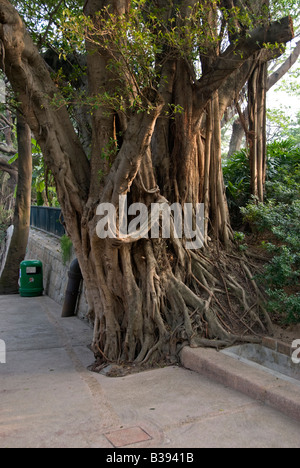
[
  {"x": 12, "y": 170},
  {"x": 17, "y": 249},
  {"x": 238, "y": 134}
]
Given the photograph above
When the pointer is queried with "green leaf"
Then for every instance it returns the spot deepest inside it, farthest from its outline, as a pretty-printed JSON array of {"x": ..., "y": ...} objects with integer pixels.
[{"x": 13, "y": 159}]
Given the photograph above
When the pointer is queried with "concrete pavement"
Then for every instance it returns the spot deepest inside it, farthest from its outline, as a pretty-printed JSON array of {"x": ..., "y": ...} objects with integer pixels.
[{"x": 48, "y": 398}]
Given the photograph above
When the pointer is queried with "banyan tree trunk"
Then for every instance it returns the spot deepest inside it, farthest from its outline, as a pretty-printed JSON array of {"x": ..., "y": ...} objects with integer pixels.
[
  {"x": 17, "y": 249},
  {"x": 148, "y": 295}
]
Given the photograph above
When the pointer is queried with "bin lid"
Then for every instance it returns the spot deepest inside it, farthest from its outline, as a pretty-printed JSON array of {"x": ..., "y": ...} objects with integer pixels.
[{"x": 27, "y": 263}]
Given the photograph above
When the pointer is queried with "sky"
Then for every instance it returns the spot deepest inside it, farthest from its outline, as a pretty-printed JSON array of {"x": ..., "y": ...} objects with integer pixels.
[
  {"x": 277, "y": 98},
  {"x": 280, "y": 99}
]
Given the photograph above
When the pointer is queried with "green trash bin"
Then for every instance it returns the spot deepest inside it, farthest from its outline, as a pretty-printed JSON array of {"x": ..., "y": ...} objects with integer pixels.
[{"x": 31, "y": 278}]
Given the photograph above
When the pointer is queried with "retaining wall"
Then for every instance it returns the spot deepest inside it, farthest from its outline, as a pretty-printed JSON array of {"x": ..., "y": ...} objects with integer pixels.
[{"x": 46, "y": 248}]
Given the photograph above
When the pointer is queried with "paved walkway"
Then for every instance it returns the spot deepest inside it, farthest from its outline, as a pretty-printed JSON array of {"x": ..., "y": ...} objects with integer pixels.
[{"x": 49, "y": 399}]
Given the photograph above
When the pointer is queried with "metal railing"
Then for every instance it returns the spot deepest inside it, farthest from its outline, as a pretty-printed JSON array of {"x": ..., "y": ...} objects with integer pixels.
[{"x": 47, "y": 219}]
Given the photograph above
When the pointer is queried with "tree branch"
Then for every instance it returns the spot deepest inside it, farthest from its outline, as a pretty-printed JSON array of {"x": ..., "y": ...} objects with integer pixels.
[
  {"x": 53, "y": 129},
  {"x": 285, "y": 67},
  {"x": 9, "y": 168},
  {"x": 136, "y": 142},
  {"x": 237, "y": 54},
  {"x": 51, "y": 17},
  {"x": 9, "y": 150}
]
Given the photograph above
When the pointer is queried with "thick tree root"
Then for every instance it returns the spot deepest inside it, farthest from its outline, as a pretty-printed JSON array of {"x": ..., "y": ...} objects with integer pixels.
[{"x": 152, "y": 305}]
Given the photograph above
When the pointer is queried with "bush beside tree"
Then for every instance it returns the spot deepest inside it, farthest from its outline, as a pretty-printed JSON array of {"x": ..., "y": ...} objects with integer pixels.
[{"x": 278, "y": 217}]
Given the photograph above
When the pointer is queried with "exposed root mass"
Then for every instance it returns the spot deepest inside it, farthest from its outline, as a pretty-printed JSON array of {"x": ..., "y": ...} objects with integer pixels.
[{"x": 211, "y": 300}]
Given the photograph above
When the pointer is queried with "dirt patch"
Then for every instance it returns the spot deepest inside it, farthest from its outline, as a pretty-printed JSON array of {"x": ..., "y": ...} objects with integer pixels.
[
  {"x": 287, "y": 334},
  {"x": 115, "y": 370}
]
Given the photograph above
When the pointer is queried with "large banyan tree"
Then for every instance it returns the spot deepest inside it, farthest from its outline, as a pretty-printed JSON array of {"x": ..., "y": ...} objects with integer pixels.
[{"x": 161, "y": 74}]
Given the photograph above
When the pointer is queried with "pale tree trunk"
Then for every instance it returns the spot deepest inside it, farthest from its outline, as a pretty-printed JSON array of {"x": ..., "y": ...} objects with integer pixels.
[
  {"x": 253, "y": 126},
  {"x": 9, "y": 177},
  {"x": 7, "y": 190},
  {"x": 17, "y": 249},
  {"x": 147, "y": 297},
  {"x": 237, "y": 136},
  {"x": 257, "y": 130}
]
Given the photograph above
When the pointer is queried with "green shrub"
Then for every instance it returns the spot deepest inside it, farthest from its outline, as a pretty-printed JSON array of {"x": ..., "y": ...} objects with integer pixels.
[
  {"x": 288, "y": 305},
  {"x": 279, "y": 217},
  {"x": 282, "y": 270},
  {"x": 66, "y": 248},
  {"x": 283, "y": 173},
  {"x": 236, "y": 173},
  {"x": 282, "y": 176},
  {"x": 282, "y": 273},
  {"x": 240, "y": 238}
]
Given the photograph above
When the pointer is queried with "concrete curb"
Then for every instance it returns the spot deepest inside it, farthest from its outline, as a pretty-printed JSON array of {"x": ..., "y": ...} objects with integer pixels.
[{"x": 257, "y": 384}]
